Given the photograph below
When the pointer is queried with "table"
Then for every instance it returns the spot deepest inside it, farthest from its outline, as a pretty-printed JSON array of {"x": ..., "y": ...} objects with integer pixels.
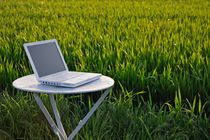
[{"x": 30, "y": 84}]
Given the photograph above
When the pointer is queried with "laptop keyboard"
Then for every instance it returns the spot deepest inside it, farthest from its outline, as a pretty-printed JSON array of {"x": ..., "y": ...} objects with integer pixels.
[{"x": 65, "y": 76}]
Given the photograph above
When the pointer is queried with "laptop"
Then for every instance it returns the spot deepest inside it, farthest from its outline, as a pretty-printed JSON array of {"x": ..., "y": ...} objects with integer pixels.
[{"x": 50, "y": 68}]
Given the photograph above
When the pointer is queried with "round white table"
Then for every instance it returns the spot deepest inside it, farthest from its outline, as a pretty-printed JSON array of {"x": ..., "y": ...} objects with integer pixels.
[{"x": 30, "y": 84}]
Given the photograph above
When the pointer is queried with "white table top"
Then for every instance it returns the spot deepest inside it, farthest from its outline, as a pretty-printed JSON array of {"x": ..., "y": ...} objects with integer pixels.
[{"x": 30, "y": 84}]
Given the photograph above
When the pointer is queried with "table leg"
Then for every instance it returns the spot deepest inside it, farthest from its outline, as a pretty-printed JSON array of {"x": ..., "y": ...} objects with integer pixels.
[
  {"x": 89, "y": 114},
  {"x": 49, "y": 118},
  {"x": 59, "y": 130},
  {"x": 57, "y": 116}
]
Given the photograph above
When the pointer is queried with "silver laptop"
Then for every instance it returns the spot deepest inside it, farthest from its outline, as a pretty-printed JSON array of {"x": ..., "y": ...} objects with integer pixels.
[{"x": 50, "y": 68}]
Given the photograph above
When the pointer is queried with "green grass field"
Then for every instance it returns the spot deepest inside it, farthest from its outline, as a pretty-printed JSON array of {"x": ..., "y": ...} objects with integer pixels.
[{"x": 158, "y": 53}]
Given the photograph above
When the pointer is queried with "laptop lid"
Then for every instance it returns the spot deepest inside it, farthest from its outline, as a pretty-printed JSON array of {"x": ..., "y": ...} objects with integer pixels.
[{"x": 45, "y": 58}]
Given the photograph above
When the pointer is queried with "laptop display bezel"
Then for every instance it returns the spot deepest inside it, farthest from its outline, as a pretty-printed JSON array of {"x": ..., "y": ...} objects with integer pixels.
[{"x": 26, "y": 45}]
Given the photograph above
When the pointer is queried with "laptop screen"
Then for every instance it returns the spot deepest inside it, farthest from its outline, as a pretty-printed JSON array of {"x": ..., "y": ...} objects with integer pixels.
[{"x": 46, "y": 58}]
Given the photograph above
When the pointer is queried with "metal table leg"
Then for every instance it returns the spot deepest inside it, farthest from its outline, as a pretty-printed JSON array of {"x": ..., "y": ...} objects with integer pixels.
[
  {"x": 57, "y": 116},
  {"x": 89, "y": 114},
  {"x": 56, "y": 130},
  {"x": 59, "y": 130}
]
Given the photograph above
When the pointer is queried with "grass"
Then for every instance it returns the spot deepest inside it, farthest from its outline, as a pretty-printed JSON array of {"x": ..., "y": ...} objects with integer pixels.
[
  {"x": 157, "y": 50},
  {"x": 155, "y": 45},
  {"x": 117, "y": 118}
]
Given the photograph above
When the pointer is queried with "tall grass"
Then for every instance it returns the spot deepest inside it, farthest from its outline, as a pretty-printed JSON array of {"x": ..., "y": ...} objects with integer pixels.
[
  {"x": 117, "y": 118},
  {"x": 155, "y": 45},
  {"x": 154, "y": 49}
]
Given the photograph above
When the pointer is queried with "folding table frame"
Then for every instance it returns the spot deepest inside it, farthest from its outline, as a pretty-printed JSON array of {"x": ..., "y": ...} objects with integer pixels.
[{"x": 58, "y": 129}]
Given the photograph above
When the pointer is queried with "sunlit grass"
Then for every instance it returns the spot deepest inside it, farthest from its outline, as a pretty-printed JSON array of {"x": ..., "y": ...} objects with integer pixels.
[
  {"x": 157, "y": 50},
  {"x": 155, "y": 45}
]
